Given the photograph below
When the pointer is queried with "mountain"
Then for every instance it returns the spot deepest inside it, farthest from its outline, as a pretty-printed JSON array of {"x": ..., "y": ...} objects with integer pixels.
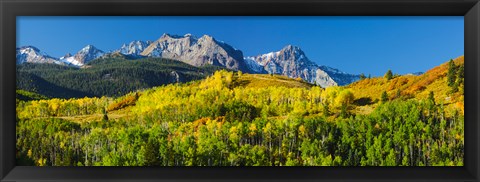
[
  {"x": 291, "y": 61},
  {"x": 83, "y": 56},
  {"x": 134, "y": 48},
  {"x": 205, "y": 50},
  {"x": 30, "y": 54}
]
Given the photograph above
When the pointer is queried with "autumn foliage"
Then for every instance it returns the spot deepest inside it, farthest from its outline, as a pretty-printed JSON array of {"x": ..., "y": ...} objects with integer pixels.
[{"x": 237, "y": 119}]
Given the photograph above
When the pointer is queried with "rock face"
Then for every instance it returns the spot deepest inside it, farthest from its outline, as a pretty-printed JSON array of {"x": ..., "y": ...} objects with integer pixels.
[
  {"x": 291, "y": 61},
  {"x": 341, "y": 78},
  {"x": 30, "y": 54},
  {"x": 87, "y": 54},
  {"x": 134, "y": 48},
  {"x": 197, "y": 51}
]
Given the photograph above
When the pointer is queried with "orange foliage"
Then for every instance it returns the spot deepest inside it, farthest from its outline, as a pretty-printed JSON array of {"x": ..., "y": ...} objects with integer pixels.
[
  {"x": 410, "y": 86},
  {"x": 128, "y": 101},
  {"x": 199, "y": 122},
  {"x": 460, "y": 105},
  {"x": 431, "y": 75},
  {"x": 397, "y": 83}
]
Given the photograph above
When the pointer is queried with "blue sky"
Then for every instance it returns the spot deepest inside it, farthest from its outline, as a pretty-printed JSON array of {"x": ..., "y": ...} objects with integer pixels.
[{"x": 369, "y": 45}]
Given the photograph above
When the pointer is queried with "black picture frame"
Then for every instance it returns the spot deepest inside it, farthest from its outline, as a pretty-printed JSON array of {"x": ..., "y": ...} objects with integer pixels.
[{"x": 9, "y": 9}]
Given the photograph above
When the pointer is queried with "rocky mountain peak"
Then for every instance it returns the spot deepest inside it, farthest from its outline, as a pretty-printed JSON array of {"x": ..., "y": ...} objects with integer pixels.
[
  {"x": 173, "y": 36},
  {"x": 293, "y": 62},
  {"x": 197, "y": 52},
  {"x": 290, "y": 61},
  {"x": 28, "y": 49},
  {"x": 87, "y": 54},
  {"x": 31, "y": 54},
  {"x": 89, "y": 48},
  {"x": 134, "y": 48},
  {"x": 207, "y": 37},
  {"x": 293, "y": 53}
]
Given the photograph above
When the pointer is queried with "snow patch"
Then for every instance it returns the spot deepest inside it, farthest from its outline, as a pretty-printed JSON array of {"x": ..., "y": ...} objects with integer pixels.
[{"x": 253, "y": 65}]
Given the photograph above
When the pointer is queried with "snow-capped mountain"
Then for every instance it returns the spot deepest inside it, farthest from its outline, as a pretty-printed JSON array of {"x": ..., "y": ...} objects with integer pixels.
[
  {"x": 30, "y": 54},
  {"x": 83, "y": 56},
  {"x": 205, "y": 50},
  {"x": 292, "y": 62},
  {"x": 134, "y": 48}
]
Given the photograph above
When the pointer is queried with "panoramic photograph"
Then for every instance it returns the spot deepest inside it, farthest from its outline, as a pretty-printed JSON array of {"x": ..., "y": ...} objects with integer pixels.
[{"x": 240, "y": 91}]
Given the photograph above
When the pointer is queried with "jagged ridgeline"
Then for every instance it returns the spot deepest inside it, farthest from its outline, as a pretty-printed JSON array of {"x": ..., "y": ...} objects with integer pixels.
[
  {"x": 108, "y": 76},
  {"x": 202, "y": 51}
]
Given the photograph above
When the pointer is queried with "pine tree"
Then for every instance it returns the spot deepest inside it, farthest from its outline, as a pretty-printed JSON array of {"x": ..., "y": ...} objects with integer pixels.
[
  {"x": 460, "y": 74},
  {"x": 362, "y": 76},
  {"x": 451, "y": 73},
  {"x": 459, "y": 79},
  {"x": 388, "y": 75},
  {"x": 384, "y": 97}
]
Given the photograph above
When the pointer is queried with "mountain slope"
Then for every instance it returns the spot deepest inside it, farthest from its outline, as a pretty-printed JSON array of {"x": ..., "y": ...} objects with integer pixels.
[
  {"x": 106, "y": 76},
  {"x": 264, "y": 80},
  {"x": 412, "y": 86},
  {"x": 27, "y": 96}
]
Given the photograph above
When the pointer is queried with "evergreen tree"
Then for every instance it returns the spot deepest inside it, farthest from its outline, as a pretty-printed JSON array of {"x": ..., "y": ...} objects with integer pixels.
[
  {"x": 152, "y": 153},
  {"x": 388, "y": 75},
  {"x": 451, "y": 73},
  {"x": 384, "y": 97},
  {"x": 362, "y": 76},
  {"x": 459, "y": 79}
]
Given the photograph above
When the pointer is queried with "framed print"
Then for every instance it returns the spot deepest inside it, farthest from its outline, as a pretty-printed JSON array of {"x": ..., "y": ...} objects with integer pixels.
[{"x": 239, "y": 90}]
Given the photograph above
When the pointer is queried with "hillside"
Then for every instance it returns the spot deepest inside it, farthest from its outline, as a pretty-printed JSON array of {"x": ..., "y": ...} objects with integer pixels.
[
  {"x": 27, "y": 96},
  {"x": 411, "y": 86},
  {"x": 235, "y": 119},
  {"x": 269, "y": 80},
  {"x": 109, "y": 76}
]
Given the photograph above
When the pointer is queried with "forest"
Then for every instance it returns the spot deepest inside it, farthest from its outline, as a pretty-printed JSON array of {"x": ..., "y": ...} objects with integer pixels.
[
  {"x": 112, "y": 76},
  {"x": 238, "y": 119}
]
